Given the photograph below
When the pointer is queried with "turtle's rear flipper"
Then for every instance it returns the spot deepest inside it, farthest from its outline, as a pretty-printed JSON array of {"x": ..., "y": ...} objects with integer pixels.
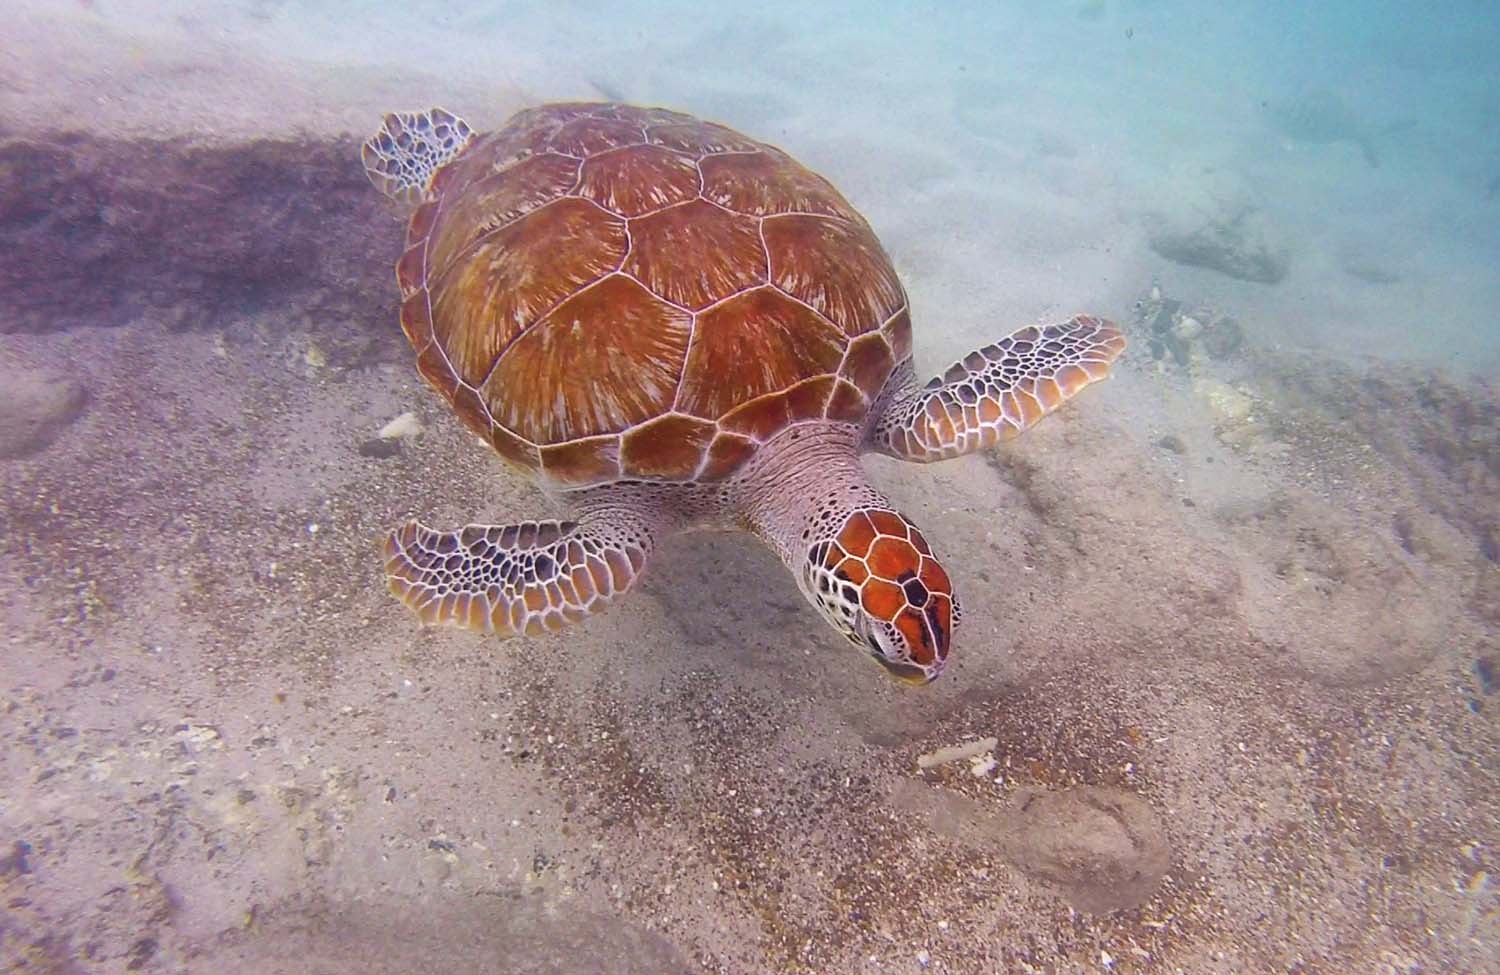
[
  {"x": 524, "y": 578},
  {"x": 410, "y": 147},
  {"x": 995, "y": 392}
]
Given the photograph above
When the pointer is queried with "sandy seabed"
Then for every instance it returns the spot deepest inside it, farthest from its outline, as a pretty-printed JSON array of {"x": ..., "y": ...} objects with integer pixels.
[{"x": 1231, "y": 623}]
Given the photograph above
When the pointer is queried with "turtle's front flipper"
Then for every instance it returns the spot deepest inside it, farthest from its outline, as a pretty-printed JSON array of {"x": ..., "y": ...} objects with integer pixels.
[
  {"x": 510, "y": 579},
  {"x": 996, "y": 392},
  {"x": 410, "y": 147}
]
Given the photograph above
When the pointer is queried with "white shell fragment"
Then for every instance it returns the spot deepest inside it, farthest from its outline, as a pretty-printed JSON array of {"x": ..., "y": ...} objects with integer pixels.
[
  {"x": 956, "y": 753},
  {"x": 980, "y": 766},
  {"x": 404, "y": 427}
]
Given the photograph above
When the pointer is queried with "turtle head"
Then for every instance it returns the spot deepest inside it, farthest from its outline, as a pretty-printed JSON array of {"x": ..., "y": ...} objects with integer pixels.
[{"x": 877, "y": 582}]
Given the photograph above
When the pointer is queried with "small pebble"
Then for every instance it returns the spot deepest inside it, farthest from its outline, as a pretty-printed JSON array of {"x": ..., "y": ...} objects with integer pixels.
[{"x": 378, "y": 448}]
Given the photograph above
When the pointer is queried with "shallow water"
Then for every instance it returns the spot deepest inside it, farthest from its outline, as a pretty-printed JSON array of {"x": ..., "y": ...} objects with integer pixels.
[{"x": 1230, "y": 641}]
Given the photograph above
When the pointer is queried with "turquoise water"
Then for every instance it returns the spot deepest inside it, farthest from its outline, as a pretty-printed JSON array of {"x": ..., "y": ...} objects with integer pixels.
[{"x": 963, "y": 115}]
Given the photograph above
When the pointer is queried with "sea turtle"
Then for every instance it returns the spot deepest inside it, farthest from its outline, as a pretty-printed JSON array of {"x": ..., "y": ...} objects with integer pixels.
[{"x": 669, "y": 325}]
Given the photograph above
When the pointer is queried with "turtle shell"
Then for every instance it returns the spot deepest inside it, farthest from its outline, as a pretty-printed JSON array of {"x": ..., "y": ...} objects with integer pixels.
[{"x": 607, "y": 293}]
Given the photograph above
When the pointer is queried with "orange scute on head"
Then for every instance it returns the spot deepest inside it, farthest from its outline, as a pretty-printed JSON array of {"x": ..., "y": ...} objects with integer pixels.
[
  {"x": 910, "y": 624},
  {"x": 858, "y": 534},
  {"x": 938, "y": 617},
  {"x": 882, "y": 600},
  {"x": 852, "y": 569},
  {"x": 890, "y": 557},
  {"x": 901, "y": 584},
  {"x": 888, "y": 523},
  {"x": 934, "y": 578}
]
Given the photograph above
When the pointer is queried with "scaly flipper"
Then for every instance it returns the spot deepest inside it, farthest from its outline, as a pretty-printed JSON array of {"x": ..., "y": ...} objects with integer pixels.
[
  {"x": 996, "y": 392},
  {"x": 410, "y": 147},
  {"x": 523, "y": 578}
]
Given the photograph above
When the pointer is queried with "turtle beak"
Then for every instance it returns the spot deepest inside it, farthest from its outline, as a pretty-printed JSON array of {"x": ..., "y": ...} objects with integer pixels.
[
  {"x": 912, "y": 674},
  {"x": 906, "y": 671}
]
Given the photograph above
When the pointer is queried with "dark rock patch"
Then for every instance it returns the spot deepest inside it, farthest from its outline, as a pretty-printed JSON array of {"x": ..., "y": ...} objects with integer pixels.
[
  {"x": 1238, "y": 244},
  {"x": 99, "y": 232}
]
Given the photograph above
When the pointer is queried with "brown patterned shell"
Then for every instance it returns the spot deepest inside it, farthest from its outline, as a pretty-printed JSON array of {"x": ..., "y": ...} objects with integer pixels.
[{"x": 605, "y": 292}]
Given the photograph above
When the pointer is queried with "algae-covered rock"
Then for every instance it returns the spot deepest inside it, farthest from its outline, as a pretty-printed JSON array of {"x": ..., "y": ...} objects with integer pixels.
[
  {"x": 1240, "y": 244},
  {"x": 1207, "y": 216},
  {"x": 1182, "y": 333}
]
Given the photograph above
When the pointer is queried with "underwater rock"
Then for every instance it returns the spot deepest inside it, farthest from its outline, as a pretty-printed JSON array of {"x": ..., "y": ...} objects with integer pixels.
[
  {"x": 36, "y": 408},
  {"x": 101, "y": 232},
  {"x": 1173, "y": 443},
  {"x": 1204, "y": 215},
  {"x": 379, "y": 449},
  {"x": 1159, "y": 320},
  {"x": 1171, "y": 329},
  {"x": 1240, "y": 245}
]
